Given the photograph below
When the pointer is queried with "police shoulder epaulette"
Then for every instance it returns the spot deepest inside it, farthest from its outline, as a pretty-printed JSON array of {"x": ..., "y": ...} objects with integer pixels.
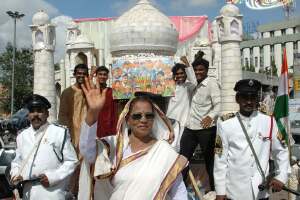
[
  {"x": 59, "y": 125},
  {"x": 227, "y": 116},
  {"x": 263, "y": 109},
  {"x": 21, "y": 130}
]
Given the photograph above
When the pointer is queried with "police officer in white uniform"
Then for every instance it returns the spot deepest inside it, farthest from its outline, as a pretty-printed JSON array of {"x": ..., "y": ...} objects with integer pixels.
[
  {"x": 236, "y": 173},
  {"x": 45, "y": 151}
]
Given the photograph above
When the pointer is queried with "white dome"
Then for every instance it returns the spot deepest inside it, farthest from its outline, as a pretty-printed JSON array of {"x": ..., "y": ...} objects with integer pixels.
[
  {"x": 143, "y": 29},
  {"x": 230, "y": 10},
  {"x": 40, "y": 18}
]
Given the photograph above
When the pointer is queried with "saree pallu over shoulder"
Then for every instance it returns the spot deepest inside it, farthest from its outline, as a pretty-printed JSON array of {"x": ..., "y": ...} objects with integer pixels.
[
  {"x": 159, "y": 165},
  {"x": 148, "y": 174},
  {"x": 103, "y": 167},
  {"x": 174, "y": 171}
]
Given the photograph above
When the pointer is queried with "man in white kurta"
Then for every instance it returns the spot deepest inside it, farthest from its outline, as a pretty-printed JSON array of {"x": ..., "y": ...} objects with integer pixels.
[
  {"x": 236, "y": 172},
  {"x": 44, "y": 150},
  {"x": 179, "y": 104}
]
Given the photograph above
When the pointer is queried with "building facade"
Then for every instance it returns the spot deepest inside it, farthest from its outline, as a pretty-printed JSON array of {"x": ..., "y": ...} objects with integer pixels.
[{"x": 267, "y": 50}]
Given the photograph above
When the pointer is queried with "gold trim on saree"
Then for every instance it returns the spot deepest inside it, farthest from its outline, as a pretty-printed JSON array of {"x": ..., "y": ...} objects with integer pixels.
[
  {"x": 135, "y": 156},
  {"x": 166, "y": 120},
  {"x": 106, "y": 146},
  {"x": 170, "y": 178},
  {"x": 131, "y": 158},
  {"x": 120, "y": 139}
]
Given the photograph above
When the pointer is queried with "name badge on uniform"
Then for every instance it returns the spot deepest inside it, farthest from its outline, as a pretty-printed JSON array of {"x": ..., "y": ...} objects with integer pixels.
[
  {"x": 45, "y": 141},
  {"x": 260, "y": 135}
]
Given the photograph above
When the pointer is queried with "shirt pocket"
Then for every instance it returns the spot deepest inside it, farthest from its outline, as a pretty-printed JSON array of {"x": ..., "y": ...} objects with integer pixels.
[{"x": 53, "y": 149}]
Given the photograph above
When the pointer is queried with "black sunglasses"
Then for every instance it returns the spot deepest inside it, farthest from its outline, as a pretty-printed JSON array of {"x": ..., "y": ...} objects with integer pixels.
[{"x": 138, "y": 116}]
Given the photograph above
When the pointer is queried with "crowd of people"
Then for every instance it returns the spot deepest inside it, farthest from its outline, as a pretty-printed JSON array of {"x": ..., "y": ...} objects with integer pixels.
[{"x": 94, "y": 152}]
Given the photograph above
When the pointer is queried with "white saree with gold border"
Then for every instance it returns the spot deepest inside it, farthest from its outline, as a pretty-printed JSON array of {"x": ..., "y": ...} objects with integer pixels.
[{"x": 145, "y": 175}]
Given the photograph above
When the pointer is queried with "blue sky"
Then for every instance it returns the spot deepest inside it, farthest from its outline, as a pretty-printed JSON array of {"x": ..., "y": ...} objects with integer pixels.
[
  {"x": 108, "y": 8},
  {"x": 62, "y": 12}
]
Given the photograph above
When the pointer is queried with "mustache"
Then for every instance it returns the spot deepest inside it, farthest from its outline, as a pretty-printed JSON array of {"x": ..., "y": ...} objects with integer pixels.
[{"x": 36, "y": 118}]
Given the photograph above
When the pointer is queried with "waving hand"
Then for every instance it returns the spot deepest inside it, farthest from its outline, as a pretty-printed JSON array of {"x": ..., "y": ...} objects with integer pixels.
[{"x": 95, "y": 99}]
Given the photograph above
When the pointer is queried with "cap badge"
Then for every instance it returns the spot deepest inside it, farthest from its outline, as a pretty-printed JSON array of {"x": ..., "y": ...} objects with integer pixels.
[{"x": 251, "y": 83}]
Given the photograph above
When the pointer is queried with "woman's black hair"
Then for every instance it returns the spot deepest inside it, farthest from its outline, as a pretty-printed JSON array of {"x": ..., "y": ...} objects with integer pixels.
[
  {"x": 199, "y": 60},
  {"x": 141, "y": 98}
]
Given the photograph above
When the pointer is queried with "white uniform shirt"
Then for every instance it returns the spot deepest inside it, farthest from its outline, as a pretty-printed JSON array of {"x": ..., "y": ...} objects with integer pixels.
[
  {"x": 235, "y": 171},
  {"x": 87, "y": 145},
  {"x": 206, "y": 101},
  {"x": 45, "y": 161}
]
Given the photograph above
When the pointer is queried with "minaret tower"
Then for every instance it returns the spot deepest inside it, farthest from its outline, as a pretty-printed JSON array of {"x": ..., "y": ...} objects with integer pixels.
[
  {"x": 230, "y": 33},
  {"x": 216, "y": 50},
  {"x": 43, "y": 39}
]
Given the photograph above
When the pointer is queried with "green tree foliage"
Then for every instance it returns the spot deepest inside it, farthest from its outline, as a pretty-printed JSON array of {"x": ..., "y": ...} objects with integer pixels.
[{"x": 23, "y": 76}]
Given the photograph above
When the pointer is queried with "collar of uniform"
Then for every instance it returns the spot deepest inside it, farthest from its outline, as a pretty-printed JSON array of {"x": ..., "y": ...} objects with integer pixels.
[
  {"x": 254, "y": 113},
  {"x": 204, "y": 82},
  {"x": 41, "y": 129}
]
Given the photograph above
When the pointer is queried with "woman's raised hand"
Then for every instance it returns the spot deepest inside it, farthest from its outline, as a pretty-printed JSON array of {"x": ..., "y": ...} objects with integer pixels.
[{"x": 95, "y": 99}]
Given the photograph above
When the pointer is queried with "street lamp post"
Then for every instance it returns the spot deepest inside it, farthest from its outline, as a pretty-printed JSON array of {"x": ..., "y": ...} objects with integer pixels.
[{"x": 15, "y": 15}]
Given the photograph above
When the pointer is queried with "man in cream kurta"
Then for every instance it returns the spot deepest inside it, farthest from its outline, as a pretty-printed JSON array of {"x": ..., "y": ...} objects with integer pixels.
[
  {"x": 236, "y": 173},
  {"x": 44, "y": 150},
  {"x": 179, "y": 105}
]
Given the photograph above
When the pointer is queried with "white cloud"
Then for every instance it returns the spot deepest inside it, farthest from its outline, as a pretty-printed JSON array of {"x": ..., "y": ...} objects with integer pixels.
[
  {"x": 181, "y": 4},
  {"x": 61, "y": 23},
  {"x": 29, "y": 8}
]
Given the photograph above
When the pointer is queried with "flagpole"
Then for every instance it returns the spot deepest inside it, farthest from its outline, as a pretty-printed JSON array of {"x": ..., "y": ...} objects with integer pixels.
[
  {"x": 287, "y": 122},
  {"x": 281, "y": 109}
]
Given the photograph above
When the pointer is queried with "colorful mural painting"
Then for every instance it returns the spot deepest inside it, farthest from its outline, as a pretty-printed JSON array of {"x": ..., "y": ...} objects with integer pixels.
[{"x": 142, "y": 73}]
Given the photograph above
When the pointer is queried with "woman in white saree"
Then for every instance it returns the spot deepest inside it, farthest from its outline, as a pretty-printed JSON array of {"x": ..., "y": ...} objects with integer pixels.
[{"x": 136, "y": 164}]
